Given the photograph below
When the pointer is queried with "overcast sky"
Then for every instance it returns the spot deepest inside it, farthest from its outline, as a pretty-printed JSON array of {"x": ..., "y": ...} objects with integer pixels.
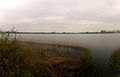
[{"x": 60, "y": 15}]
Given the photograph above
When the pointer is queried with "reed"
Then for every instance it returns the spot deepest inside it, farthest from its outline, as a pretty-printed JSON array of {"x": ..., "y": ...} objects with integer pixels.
[
  {"x": 29, "y": 59},
  {"x": 80, "y": 65},
  {"x": 19, "y": 60},
  {"x": 115, "y": 61}
]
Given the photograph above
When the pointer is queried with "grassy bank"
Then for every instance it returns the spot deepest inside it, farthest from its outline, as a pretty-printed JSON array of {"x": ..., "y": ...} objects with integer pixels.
[{"x": 17, "y": 59}]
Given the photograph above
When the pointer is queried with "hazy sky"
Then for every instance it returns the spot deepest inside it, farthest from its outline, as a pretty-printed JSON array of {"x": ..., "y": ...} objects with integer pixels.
[{"x": 60, "y": 15}]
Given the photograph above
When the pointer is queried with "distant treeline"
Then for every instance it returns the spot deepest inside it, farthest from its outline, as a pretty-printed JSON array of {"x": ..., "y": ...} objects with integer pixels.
[
  {"x": 43, "y": 33},
  {"x": 101, "y": 32}
]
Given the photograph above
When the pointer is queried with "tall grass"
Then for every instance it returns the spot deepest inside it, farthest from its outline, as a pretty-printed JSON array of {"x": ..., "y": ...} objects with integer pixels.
[
  {"x": 63, "y": 50},
  {"x": 81, "y": 64},
  {"x": 115, "y": 62},
  {"x": 11, "y": 56},
  {"x": 21, "y": 59},
  {"x": 18, "y": 60}
]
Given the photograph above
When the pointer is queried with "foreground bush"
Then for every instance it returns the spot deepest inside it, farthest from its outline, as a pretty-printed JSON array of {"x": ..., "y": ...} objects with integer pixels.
[
  {"x": 17, "y": 60},
  {"x": 11, "y": 57},
  {"x": 82, "y": 67},
  {"x": 86, "y": 65},
  {"x": 115, "y": 61}
]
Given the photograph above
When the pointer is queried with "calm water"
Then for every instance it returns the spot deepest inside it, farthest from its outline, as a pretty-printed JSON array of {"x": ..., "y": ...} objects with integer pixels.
[{"x": 101, "y": 45}]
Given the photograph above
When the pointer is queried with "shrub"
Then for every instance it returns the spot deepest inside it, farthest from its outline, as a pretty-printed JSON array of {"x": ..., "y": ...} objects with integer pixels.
[
  {"x": 115, "y": 61},
  {"x": 82, "y": 67},
  {"x": 11, "y": 56},
  {"x": 14, "y": 57},
  {"x": 87, "y": 67}
]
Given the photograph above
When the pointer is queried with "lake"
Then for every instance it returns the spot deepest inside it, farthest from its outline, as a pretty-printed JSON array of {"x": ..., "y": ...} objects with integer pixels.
[{"x": 101, "y": 45}]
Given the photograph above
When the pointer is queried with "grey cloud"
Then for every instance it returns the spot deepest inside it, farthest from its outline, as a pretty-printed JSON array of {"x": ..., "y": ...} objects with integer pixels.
[{"x": 63, "y": 15}]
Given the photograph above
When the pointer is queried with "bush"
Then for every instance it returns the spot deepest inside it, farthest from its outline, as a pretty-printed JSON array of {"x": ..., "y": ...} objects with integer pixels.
[
  {"x": 115, "y": 61},
  {"x": 17, "y": 60},
  {"x": 11, "y": 56},
  {"x": 82, "y": 67},
  {"x": 86, "y": 65}
]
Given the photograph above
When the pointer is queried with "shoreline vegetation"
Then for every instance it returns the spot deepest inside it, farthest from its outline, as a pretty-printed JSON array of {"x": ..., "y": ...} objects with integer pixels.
[
  {"x": 115, "y": 62},
  {"x": 18, "y": 59},
  {"x": 100, "y": 32},
  {"x": 28, "y": 59}
]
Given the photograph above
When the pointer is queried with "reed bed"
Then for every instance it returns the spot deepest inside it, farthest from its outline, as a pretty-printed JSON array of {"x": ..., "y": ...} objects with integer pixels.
[
  {"x": 63, "y": 50},
  {"x": 28, "y": 59},
  {"x": 81, "y": 64}
]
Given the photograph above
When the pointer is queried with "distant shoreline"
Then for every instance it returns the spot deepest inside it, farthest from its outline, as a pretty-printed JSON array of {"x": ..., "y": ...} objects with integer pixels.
[{"x": 63, "y": 33}]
